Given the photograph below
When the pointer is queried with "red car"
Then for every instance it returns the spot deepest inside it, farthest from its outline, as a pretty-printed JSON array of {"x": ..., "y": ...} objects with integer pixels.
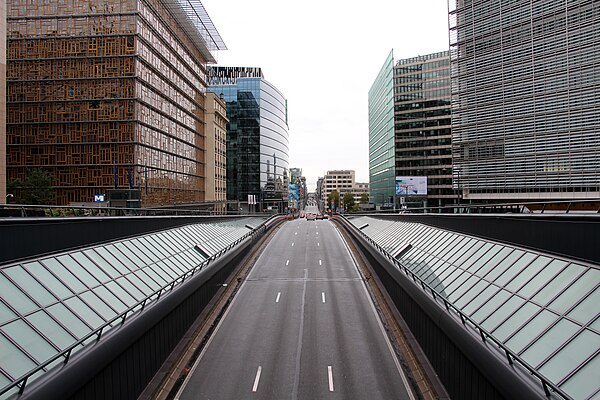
[{"x": 310, "y": 217}]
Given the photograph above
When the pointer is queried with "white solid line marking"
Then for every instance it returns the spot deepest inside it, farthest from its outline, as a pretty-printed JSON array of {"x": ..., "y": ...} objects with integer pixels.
[
  {"x": 320, "y": 262},
  {"x": 330, "y": 376},
  {"x": 257, "y": 379},
  {"x": 323, "y": 296},
  {"x": 278, "y": 296},
  {"x": 287, "y": 262},
  {"x": 292, "y": 244}
]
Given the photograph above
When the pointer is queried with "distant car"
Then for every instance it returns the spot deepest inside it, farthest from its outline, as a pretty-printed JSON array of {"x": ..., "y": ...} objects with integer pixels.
[
  {"x": 325, "y": 216},
  {"x": 301, "y": 215},
  {"x": 310, "y": 217},
  {"x": 319, "y": 216}
]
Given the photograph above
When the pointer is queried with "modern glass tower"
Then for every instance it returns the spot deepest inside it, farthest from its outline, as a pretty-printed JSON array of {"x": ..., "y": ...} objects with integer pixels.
[
  {"x": 422, "y": 125},
  {"x": 381, "y": 136},
  {"x": 409, "y": 129},
  {"x": 525, "y": 90},
  {"x": 257, "y": 135}
]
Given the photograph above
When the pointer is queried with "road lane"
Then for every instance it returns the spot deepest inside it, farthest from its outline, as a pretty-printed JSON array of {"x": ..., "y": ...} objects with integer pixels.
[{"x": 302, "y": 326}]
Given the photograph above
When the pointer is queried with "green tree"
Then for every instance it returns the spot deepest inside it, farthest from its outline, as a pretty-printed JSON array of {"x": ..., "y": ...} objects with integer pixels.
[
  {"x": 37, "y": 188},
  {"x": 364, "y": 198},
  {"x": 335, "y": 198},
  {"x": 349, "y": 204}
]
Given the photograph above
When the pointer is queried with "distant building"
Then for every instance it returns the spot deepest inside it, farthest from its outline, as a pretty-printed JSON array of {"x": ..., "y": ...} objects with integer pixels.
[
  {"x": 297, "y": 188},
  {"x": 110, "y": 94},
  {"x": 343, "y": 182},
  {"x": 216, "y": 148},
  {"x": 410, "y": 130},
  {"x": 257, "y": 135},
  {"x": 525, "y": 90}
]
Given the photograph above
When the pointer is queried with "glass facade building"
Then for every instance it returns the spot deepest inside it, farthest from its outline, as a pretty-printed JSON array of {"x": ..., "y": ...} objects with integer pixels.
[
  {"x": 525, "y": 89},
  {"x": 543, "y": 308},
  {"x": 110, "y": 94},
  {"x": 257, "y": 134},
  {"x": 410, "y": 129},
  {"x": 422, "y": 125},
  {"x": 381, "y": 136}
]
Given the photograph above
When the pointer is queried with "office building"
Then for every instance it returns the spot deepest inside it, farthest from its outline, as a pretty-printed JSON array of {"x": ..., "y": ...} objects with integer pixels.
[
  {"x": 525, "y": 90},
  {"x": 423, "y": 139},
  {"x": 382, "y": 172},
  {"x": 342, "y": 181},
  {"x": 410, "y": 130},
  {"x": 257, "y": 135},
  {"x": 216, "y": 149},
  {"x": 110, "y": 95}
]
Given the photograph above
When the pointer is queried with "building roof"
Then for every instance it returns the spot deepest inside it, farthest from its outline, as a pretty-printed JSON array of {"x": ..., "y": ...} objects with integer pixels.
[
  {"x": 54, "y": 306},
  {"x": 543, "y": 308},
  {"x": 192, "y": 15}
]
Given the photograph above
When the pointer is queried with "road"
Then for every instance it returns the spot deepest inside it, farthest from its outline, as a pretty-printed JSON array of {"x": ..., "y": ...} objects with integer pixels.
[{"x": 302, "y": 326}]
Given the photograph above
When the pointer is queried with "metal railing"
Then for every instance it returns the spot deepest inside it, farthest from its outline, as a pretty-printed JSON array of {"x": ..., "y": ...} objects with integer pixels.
[
  {"x": 42, "y": 211},
  {"x": 589, "y": 206},
  {"x": 485, "y": 336},
  {"x": 138, "y": 307}
]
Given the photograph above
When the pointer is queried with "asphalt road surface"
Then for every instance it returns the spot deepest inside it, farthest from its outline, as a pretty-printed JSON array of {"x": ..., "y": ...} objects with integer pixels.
[{"x": 302, "y": 326}]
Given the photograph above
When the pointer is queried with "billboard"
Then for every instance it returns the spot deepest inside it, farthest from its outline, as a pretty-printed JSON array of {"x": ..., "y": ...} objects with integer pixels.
[{"x": 411, "y": 186}]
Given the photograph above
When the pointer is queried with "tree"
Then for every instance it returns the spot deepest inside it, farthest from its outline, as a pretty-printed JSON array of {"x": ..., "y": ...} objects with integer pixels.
[
  {"x": 36, "y": 188},
  {"x": 349, "y": 204},
  {"x": 364, "y": 198},
  {"x": 334, "y": 197}
]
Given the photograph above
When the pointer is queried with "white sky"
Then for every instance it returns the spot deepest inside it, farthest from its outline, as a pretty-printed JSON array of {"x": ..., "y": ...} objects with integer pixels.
[{"x": 324, "y": 56}]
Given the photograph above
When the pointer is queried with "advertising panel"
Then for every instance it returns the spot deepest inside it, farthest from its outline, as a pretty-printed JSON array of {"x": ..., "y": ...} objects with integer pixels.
[{"x": 411, "y": 186}]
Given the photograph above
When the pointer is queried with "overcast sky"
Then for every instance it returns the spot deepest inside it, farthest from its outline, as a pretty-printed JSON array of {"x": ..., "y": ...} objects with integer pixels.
[{"x": 324, "y": 56}]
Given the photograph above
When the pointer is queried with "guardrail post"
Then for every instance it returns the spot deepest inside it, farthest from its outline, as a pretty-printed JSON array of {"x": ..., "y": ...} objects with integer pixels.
[{"x": 22, "y": 386}]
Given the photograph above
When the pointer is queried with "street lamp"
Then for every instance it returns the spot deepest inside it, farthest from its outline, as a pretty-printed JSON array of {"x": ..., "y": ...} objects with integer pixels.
[{"x": 8, "y": 196}]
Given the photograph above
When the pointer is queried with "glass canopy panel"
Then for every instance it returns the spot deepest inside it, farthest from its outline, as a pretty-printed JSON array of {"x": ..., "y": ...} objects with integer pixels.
[
  {"x": 99, "y": 260},
  {"x": 121, "y": 294},
  {"x": 541, "y": 279},
  {"x": 470, "y": 294},
  {"x": 72, "y": 322},
  {"x": 5, "y": 313},
  {"x": 50, "y": 281},
  {"x": 84, "y": 312},
  {"x": 588, "y": 309},
  {"x": 108, "y": 253},
  {"x": 484, "y": 257},
  {"x": 499, "y": 269},
  {"x": 131, "y": 259},
  {"x": 573, "y": 294},
  {"x": 515, "y": 321},
  {"x": 73, "y": 266},
  {"x": 514, "y": 269},
  {"x": 584, "y": 383},
  {"x": 29, "y": 340},
  {"x": 502, "y": 312},
  {"x": 549, "y": 341},
  {"x": 109, "y": 298},
  {"x": 13, "y": 360},
  {"x": 64, "y": 275},
  {"x": 51, "y": 329},
  {"x": 30, "y": 286},
  {"x": 571, "y": 356},
  {"x": 531, "y": 330},
  {"x": 131, "y": 288},
  {"x": 558, "y": 284},
  {"x": 98, "y": 305},
  {"x": 491, "y": 263},
  {"x": 92, "y": 268},
  {"x": 142, "y": 253},
  {"x": 15, "y": 297},
  {"x": 527, "y": 273}
]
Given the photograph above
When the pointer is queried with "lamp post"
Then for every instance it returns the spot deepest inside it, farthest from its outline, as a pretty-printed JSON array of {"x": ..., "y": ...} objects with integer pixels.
[{"x": 9, "y": 196}]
